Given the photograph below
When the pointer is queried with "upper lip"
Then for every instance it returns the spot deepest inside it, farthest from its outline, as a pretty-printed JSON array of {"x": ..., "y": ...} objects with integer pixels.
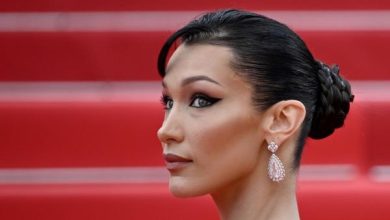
[{"x": 170, "y": 158}]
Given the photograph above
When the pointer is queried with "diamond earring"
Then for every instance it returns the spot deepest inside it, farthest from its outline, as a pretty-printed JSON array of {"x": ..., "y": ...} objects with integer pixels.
[{"x": 276, "y": 170}]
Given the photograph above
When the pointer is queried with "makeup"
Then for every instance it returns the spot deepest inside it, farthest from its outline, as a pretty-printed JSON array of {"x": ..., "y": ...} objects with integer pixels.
[{"x": 174, "y": 162}]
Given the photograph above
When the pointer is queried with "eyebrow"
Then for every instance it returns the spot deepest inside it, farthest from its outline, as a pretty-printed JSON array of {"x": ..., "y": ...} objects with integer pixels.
[{"x": 193, "y": 79}]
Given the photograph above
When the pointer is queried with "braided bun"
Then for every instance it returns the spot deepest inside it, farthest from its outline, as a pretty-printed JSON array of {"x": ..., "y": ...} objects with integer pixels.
[{"x": 333, "y": 102}]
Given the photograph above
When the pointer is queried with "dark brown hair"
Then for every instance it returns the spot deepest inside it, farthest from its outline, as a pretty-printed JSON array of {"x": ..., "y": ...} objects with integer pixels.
[{"x": 277, "y": 63}]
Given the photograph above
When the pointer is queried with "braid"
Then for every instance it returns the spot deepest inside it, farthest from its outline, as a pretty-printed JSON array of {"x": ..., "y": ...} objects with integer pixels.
[{"x": 333, "y": 102}]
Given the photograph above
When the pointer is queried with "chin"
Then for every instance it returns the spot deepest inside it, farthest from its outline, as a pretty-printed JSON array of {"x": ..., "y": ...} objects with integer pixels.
[{"x": 183, "y": 189}]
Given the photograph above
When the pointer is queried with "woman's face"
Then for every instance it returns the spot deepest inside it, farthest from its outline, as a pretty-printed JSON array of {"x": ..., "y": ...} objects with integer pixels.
[{"x": 211, "y": 134}]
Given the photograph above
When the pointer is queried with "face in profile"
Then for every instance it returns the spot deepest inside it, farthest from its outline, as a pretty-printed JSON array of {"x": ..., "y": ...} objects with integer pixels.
[{"x": 211, "y": 135}]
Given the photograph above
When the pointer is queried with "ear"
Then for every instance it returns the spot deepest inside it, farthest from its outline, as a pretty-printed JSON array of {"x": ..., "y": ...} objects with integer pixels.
[{"x": 283, "y": 120}]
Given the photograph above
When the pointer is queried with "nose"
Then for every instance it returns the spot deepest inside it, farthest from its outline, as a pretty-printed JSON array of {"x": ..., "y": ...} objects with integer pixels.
[{"x": 171, "y": 130}]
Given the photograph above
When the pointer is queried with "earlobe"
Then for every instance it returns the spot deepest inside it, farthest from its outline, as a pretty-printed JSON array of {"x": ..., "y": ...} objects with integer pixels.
[{"x": 284, "y": 119}]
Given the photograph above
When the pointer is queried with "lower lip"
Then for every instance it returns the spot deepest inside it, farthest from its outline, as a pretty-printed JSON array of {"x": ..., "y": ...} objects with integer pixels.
[{"x": 172, "y": 166}]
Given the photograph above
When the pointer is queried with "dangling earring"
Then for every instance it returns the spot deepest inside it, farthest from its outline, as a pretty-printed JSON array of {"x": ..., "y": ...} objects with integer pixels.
[{"x": 276, "y": 170}]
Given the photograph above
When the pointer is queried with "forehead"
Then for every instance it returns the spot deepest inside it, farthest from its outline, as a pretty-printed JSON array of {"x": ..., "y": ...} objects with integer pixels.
[
  {"x": 200, "y": 54},
  {"x": 202, "y": 59}
]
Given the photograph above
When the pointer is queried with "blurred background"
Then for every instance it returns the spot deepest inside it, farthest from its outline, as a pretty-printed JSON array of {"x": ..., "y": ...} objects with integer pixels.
[{"x": 79, "y": 108}]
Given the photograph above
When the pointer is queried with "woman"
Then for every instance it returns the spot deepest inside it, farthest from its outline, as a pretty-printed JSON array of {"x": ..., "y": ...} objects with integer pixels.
[{"x": 241, "y": 93}]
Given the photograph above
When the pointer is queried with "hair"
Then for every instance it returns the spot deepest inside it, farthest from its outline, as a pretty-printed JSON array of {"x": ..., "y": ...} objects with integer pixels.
[{"x": 276, "y": 62}]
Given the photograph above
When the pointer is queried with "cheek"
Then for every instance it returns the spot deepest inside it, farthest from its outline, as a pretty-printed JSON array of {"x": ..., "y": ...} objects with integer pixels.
[
  {"x": 225, "y": 147},
  {"x": 220, "y": 132}
]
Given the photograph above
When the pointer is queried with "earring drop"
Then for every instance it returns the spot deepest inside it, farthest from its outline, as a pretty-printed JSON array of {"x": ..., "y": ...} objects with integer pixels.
[{"x": 276, "y": 171}]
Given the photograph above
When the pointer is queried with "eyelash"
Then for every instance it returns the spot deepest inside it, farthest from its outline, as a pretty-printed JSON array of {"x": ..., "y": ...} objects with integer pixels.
[
  {"x": 165, "y": 100},
  {"x": 210, "y": 100}
]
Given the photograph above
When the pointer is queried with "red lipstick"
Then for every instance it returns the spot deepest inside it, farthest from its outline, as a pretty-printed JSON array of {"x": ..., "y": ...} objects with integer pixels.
[{"x": 175, "y": 162}]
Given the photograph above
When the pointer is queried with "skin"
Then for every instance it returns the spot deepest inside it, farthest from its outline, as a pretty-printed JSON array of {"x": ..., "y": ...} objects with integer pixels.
[{"x": 211, "y": 121}]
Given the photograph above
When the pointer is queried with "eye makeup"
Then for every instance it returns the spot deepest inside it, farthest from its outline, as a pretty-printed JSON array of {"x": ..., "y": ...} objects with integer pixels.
[
  {"x": 197, "y": 100},
  {"x": 200, "y": 100},
  {"x": 166, "y": 101}
]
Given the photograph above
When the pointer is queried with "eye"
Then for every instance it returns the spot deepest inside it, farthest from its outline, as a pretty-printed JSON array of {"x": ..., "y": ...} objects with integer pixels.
[
  {"x": 167, "y": 102},
  {"x": 201, "y": 101}
]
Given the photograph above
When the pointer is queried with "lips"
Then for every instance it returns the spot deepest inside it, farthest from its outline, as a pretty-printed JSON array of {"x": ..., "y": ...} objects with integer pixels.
[{"x": 174, "y": 162}]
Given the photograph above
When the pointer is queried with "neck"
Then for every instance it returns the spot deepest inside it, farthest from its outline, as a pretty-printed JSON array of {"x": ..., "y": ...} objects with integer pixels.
[{"x": 254, "y": 200}]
